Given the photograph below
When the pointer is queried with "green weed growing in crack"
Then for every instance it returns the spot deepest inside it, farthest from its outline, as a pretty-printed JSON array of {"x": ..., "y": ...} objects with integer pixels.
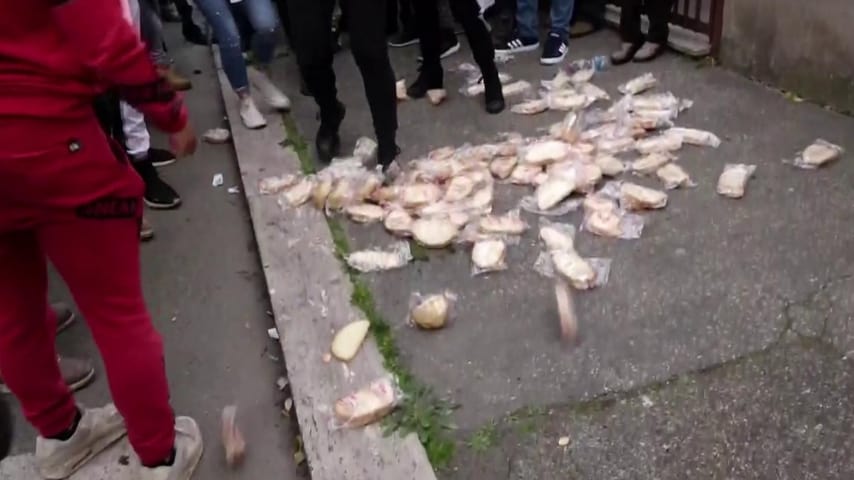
[
  {"x": 484, "y": 438},
  {"x": 421, "y": 411}
]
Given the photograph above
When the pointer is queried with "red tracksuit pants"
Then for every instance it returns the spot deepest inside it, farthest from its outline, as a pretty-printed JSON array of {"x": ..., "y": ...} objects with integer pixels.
[{"x": 67, "y": 196}]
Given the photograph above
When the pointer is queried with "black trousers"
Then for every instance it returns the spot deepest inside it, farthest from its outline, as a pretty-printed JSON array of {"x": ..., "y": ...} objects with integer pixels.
[
  {"x": 109, "y": 113},
  {"x": 467, "y": 12},
  {"x": 592, "y": 11},
  {"x": 312, "y": 23},
  {"x": 658, "y": 12}
]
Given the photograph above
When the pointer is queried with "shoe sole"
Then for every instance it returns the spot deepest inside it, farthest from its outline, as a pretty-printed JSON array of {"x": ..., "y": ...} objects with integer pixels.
[
  {"x": 61, "y": 327},
  {"x": 552, "y": 61},
  {"x": 78, "y": 385},
  {"x": 164, "y": 162},
  {"x": 194, "y": 463},
  {"x": 162, "y": 206},
  {"x": 146, "y": 236},
  {"x": 89, "y": 454},
  {"x": 524, "y": 49},
  {"x": 647, "y": 59},
  {"x": 404, "y": 44},
  {"x": 83, "y": 382},
  {"x": 450, "y": 51}
]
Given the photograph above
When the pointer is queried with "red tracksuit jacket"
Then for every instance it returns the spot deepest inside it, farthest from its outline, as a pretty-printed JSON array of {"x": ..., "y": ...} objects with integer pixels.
[{"x": 55, "y": 57}]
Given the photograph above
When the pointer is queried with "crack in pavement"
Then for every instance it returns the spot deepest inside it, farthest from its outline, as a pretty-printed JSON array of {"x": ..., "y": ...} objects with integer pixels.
[{"x": 810, "y": 317}]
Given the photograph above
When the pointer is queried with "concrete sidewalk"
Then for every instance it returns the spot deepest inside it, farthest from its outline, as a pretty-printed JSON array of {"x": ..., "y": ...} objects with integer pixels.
[{"x": 717, "y": 294}]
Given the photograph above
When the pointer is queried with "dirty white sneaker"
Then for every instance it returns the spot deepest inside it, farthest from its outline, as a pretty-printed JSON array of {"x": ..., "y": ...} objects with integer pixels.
[
  {"x": 98, "y": 429},
  {"x": 250, "y": 115},
  {"x": 271, "y": 93},
  {"x": 188, "y": 452}
]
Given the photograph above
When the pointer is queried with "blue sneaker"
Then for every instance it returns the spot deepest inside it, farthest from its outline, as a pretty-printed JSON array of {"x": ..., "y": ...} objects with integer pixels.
[
  {"x": 518, "y": 45},
  {"x": 555, "y": 50}
]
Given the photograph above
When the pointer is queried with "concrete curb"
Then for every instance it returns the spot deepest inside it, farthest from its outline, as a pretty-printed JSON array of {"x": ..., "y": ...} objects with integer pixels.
[{"x": 310, "y": 295}]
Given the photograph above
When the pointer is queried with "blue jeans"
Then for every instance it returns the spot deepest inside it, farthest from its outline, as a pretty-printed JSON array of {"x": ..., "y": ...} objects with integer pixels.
[
  {"x": 527, "y": 18},
  {"x": 265, "y": 22}
]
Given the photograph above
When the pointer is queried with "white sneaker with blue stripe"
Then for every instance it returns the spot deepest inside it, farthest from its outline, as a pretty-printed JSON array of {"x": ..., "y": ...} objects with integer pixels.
[
  {"x": 555, "y": 50},
  {"x": 518, "y": 45}
]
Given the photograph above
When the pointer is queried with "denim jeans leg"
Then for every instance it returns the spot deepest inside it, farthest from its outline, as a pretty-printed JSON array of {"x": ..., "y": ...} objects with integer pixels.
[
  {"x": 265, "y": 22},
  {"x": 224, "y": 27},
  {"x": 527, "y": 20},
  {"x": 561, "y": 15}
]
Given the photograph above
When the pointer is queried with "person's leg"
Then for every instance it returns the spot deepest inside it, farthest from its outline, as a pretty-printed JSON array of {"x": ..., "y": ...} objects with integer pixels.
[
  {"x": 151, "y": 31},
  {"x": 407, "y": 33},
  {"x": 99, "y": 260},
  {"x": 630, "y": 32},
  {"x": 448, "y": 42},
  {"x": 285, "y": 19},
  {"x": 265, "y": 23},
  {"x": 227, "y": 35},
  {"x": 222, "y": 22},
  {"x": 527, "y": 21},
  {"x": 467, "y": 13},
  {"x": 630, "y": 21},
  {"x": 659, "y": 12},
  {"x": 158, "y": 194},
  {"x": 427, "y": 27},
  {"x": 27, "y": 351},
  {"x": 368, "y": 43},
  {"x": 314, "y": 56},
  {"x": 561, "y": 14},
  {"x": 557, "y": 41},
  {"x": 527, "y": 35}
]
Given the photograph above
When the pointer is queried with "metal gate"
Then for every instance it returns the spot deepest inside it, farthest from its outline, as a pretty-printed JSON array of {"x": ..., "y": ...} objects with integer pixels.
[{"x": 702, "y": 16}]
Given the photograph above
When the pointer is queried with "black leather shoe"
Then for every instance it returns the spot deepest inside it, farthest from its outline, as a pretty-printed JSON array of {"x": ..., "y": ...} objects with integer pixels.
[
  {"x": 327, "y": 141},
  {"x": 493, "y": 95}
]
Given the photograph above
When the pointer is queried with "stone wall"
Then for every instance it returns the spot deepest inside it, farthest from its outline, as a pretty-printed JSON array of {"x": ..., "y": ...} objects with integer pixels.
[{"x": 805, "y": 46}]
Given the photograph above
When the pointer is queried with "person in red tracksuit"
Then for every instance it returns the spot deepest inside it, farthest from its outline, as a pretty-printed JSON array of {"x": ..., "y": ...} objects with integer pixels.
[{"x": 69, "y": 195}]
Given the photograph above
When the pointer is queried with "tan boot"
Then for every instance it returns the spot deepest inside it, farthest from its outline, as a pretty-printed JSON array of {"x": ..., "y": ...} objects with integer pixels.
[
  {"x": 146, "y": 231},
  {"x": 649, "y": 52},
  {"x": 174, "y": 79},
  {"x": 625, "y": 54}
]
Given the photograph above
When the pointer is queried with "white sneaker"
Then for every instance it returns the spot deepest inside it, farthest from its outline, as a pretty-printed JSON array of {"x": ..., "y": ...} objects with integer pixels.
[
  {"x": 188, "y": 452},
  {"x": 271, "y": 93},
  {"x": 98, "y": 429},
  {"x": 250, "y": 115}
]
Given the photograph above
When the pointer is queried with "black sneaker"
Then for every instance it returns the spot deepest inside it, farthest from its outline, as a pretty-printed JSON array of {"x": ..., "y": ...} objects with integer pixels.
[
  {"x": 160, "y": 157},
  {"x": 448, "y": 45},
  {"x": 158, "y": 194},
  {"x": 555, "y": 50},
  {"x": 518, "y": 45},
  {"x": 404, "y": 38}
]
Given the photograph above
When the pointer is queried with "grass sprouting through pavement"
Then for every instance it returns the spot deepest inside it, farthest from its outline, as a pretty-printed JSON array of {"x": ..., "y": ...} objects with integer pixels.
[{"x": 421, "y": 411}]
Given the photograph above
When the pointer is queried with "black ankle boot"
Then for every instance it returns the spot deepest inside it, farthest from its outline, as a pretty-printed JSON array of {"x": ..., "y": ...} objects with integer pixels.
[
  {"x": 327, "y": 141},
  {"x": 425, "y": 81},
  {"x": 386, "y": 153},
  {"x": 493, "y": 94}
]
